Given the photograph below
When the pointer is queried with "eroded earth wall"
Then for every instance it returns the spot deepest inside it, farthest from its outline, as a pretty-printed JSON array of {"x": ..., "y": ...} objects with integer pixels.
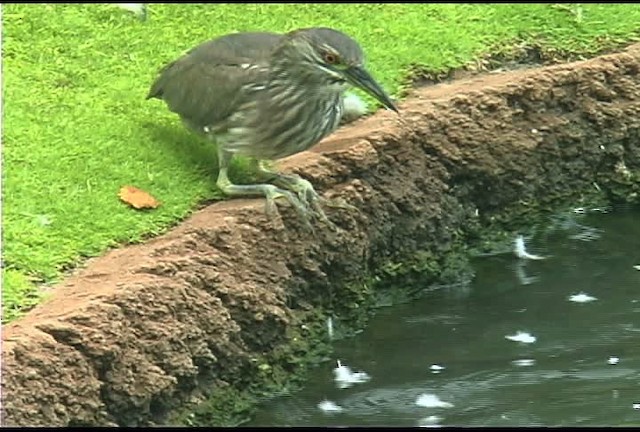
[{"x": 137, "y": 332}]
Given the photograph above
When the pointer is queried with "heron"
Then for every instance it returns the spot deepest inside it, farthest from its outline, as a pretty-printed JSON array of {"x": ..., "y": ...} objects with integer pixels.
[{"x": 266, "y": 96}]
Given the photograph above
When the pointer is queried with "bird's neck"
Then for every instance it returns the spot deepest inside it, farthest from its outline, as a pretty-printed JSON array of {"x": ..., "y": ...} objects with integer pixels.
[
  {"x": 300, "y": 112},
  {"x": 296, "y": 90},
  {"x": 288, "y": 86}
]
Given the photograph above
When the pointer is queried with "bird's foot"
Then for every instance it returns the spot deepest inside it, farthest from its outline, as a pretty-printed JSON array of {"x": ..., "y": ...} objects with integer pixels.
[
  {"x": 310, "y": 198},
  {"x": 307, "y": 195},
  {"x": 271, "y": 193},
  {"x": 305, "y": 192},
  {"x": 338, "y": 203}
]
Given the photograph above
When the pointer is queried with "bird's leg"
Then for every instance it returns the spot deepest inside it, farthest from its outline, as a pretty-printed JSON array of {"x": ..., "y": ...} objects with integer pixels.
[
  {"x": 306, "y": 193},
  {"x": 269, "y": 191},
  {"x": 292, "y": 182},
  {"x": 302, "y": 187}
]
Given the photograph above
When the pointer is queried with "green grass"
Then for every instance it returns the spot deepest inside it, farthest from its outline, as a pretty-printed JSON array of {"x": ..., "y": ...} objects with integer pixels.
[{"x": 76, "y": 126}]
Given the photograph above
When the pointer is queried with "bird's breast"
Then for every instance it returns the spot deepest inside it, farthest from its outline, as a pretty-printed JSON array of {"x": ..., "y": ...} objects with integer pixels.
[{"x": 283, "y": 122}]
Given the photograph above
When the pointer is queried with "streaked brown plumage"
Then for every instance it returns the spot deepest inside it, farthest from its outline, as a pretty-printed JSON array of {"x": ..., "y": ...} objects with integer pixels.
[{"x": 266, "y": 96}]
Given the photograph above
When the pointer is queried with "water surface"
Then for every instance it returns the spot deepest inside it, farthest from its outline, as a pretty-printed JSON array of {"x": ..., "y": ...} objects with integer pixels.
[{"x": 568, "y": 376}]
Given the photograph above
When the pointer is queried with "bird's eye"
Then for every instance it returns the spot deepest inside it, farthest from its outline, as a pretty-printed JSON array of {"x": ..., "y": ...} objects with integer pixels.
[{"x": 330, "y": 58}]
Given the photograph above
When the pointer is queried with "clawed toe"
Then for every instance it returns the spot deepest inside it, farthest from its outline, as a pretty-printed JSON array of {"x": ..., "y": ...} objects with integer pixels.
[
  {"x": 271, "y": 209},
  {"x": 338, "y": 203},
  {"x": 302, "y": 196}
]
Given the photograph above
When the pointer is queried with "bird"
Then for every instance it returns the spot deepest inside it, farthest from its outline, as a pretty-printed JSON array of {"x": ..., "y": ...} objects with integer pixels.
[{"x": 266, "y": 96}]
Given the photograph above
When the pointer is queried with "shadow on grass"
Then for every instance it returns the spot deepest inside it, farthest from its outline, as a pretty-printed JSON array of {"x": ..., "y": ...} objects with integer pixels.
[
  {"x": 191, "y": 150},
  {"x": 196, "y": 153}
]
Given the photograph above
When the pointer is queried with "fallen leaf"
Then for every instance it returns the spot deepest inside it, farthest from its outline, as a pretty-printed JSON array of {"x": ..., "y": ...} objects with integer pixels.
[{"x": 137, "y": 198}]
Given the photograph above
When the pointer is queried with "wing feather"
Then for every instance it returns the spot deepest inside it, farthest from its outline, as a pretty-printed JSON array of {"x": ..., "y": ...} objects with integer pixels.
[{"x": 205, "y": 85}]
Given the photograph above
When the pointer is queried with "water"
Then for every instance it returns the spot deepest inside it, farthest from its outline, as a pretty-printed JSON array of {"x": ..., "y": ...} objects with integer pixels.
[{"x": 566, "y": 377}]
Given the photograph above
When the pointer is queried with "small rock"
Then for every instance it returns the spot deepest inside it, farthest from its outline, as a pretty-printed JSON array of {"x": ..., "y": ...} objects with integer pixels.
[
  {"x": 354, "y": 108},
  {"x": 138, "y": 9}
]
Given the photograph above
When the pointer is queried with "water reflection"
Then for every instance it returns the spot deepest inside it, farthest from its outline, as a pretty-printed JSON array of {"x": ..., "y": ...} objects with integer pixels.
[{"x": 565, "y": 377}]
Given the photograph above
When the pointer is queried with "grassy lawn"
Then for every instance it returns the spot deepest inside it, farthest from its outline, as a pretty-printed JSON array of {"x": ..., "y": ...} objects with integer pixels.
[{"x": 76, "y": 126}]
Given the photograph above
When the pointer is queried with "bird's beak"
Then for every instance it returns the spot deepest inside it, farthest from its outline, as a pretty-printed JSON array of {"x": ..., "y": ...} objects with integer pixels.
[{"x": 359, "y": 77}]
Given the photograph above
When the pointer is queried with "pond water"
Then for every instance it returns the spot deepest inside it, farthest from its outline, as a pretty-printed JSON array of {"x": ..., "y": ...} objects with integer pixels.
[{"x": 447, "y": 359}]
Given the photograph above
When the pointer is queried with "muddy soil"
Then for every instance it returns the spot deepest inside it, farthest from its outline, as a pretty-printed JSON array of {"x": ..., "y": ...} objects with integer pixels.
[{"x": 138, "y": 333}]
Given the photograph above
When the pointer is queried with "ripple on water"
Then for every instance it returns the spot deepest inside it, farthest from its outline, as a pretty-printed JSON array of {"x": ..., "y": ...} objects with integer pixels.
[{"x": 565, "y": 378}]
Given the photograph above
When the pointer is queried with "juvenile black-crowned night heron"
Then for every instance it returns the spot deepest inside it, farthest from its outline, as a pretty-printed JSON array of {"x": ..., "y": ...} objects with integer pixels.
[{"x": 267, "y": 96}]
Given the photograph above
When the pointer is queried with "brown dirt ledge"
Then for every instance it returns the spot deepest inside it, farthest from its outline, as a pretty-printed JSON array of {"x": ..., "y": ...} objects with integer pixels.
[{"x": 190, "y": 309}]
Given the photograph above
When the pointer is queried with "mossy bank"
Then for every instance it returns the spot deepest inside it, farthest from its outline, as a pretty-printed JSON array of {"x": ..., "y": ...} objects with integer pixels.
[{"x": 231, "y": 303}]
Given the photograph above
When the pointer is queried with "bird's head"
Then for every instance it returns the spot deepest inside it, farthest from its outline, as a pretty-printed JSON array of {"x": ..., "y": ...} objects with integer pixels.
[{"x": 334, "y": 58}]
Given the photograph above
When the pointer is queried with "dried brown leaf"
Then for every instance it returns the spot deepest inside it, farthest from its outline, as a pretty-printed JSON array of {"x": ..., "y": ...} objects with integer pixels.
[{"x": 137, "y": 198}]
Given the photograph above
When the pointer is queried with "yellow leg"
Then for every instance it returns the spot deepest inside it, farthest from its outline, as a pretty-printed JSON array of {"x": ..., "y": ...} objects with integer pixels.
[{"x": 269, "y": 191}]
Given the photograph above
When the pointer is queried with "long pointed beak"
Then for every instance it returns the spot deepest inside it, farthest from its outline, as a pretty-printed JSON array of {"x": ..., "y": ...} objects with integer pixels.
[{"x": 359, "y": 77}]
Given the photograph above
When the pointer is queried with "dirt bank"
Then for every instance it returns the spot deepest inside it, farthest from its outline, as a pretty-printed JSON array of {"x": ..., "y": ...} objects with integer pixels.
[{"x": 137, "y": 333}]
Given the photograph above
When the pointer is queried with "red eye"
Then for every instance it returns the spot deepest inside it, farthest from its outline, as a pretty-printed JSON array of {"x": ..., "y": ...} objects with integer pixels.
[{"x": 330, "y": 58}]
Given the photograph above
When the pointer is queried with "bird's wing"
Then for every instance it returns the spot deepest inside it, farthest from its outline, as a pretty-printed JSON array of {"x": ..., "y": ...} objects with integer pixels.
[
  {"x": 204, "y": 94},
  {"x": 205, "y": 85}
]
